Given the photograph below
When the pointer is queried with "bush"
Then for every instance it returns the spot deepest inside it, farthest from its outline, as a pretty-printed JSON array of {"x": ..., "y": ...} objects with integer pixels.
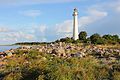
[
  {"x": 76, "y": 41},
  {"x": 66, "y": 40},
  {"x": 82, "y": 35},
  {"x": 97, "y": 39},
  {"x": 13, "y": 76},
  {"x": 116, "y": 75},
  {"x": 111, "y": 39}
]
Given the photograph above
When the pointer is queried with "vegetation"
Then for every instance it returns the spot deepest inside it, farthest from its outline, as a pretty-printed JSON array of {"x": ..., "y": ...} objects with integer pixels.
[
  {"x": 111, "y": 39},
  {"x": 97, "y": 39},
  {"x": 93, "y": 39},
  {"x": 39, "y": 66},
  {"x": 82, "y": 35},
  {"x": 67, "y": 40},
  {"x": 31, "y": 43}
]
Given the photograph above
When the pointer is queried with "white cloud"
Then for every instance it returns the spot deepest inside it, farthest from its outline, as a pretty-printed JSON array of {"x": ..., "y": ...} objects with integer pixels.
[
  {"x": 39, "y": 29},
  {"x": 64, "y": 27},
  {"x": 31, "y": 13},
  {"x": 93, "y": 16},
  {"x": 20, "y": 35},
  {"x": 9, "y": 39},
  {"x": 33, "y": 33},
  {"x": 40, "y": 32},
  {"x": 118, "y": 8},
  {"x": 97, "y": 13},
  {"x": 113, "y": 5}
]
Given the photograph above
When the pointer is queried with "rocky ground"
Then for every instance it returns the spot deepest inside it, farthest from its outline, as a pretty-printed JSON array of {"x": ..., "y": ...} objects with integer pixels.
[{"x": 105, "y": 54}]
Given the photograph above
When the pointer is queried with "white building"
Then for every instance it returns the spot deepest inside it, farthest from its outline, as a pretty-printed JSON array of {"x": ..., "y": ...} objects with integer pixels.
[{"x": 75, "y": 24}]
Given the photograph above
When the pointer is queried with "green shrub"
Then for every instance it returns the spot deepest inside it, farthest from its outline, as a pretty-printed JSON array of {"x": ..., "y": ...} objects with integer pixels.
[
  {"x": 66, "y": 40},
  {"x": 82, "y": 35},
  {"x": 116, "y": 75},
  {"x": 97, "y": 39},
  {"x": 13, "y": 76}
]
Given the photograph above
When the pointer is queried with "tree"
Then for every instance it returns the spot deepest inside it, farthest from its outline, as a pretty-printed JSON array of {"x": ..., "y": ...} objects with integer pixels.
[
  {"x": 111, "y": 39},
  {"x": 97, "y": 39},
  {"x": 115, "y": 37},
  {"x": 107, "y": 37},
  {"x": 82, "y": 35},
  {"x": 67, "y": 40}
]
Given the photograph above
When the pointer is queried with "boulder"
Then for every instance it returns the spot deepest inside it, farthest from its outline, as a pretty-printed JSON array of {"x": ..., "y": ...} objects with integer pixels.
[{"x": 59, "y": 51}]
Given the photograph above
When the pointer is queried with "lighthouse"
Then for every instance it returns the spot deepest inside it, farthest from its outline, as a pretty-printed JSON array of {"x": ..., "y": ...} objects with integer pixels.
[{"x": 75, "y": 24}]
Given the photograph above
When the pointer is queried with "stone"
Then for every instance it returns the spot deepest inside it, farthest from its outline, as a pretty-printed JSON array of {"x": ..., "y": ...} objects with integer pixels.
[
  {"x": 9, "y": 53},
  {"x": 40, "y": 50}
]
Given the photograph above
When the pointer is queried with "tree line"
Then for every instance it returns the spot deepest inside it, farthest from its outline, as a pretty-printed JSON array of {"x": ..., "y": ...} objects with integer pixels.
[
  {"x": 31, "y": 43},
  {"x": 93, "y": 39}
]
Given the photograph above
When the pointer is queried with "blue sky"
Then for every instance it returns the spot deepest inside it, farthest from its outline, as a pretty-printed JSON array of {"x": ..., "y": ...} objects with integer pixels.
[{"x": 49, "y": 20}]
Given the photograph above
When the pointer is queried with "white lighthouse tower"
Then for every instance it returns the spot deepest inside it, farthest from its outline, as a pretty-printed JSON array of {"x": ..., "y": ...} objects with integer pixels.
[{"x": 75, "y": 24}]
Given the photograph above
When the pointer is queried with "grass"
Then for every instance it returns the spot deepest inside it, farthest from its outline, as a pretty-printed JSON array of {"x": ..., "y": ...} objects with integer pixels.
[{"x": 40, "y": 66}]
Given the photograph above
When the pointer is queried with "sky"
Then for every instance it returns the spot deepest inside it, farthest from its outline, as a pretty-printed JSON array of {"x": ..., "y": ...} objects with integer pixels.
[{"x": 49, "y": 20}]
